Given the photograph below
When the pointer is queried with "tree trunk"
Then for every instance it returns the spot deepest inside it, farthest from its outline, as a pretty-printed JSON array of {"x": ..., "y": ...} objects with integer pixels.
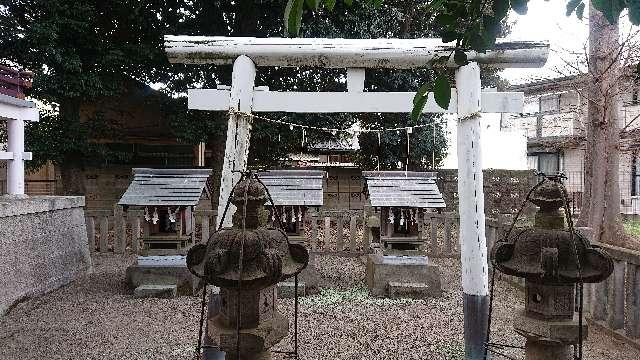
[
  {"x": 71, "y": 173},
  {"x": 601, "y": 200}
]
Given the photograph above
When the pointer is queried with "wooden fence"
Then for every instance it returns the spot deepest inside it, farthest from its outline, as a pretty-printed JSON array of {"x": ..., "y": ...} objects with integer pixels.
[
  {"x": 347, "y": 233},
  {"x": 109, "y": 230},
  {"x": 327, "y": 231}
]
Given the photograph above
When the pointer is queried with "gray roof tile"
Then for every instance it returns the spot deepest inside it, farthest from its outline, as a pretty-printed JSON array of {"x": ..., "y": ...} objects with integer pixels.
[
  {"x": 294, "y": 187},
  {"x": 170, "y": 187},
  {"x": 403, "y": 189}
]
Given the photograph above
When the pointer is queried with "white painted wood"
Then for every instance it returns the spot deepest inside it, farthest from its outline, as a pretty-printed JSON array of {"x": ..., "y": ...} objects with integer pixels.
[
  {"x": 355, "y": 80},
  {"x": 341, "y": 102},
  {"x": 238, "y": 132},
  {"x": 12, "y": 112},
  {"x": 473, "y": 244},
  {"x": 209, "y": 99},
  {"x": 6, "y": 155},
  {"x": 344, "y": 53},
  {"x": 15, "y": 166}
]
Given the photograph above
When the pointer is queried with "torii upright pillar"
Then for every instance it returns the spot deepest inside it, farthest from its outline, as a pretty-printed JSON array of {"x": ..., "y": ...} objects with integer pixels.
[
  {"x": 473, "y": 243},
  {"x": 236, "y": 151}
]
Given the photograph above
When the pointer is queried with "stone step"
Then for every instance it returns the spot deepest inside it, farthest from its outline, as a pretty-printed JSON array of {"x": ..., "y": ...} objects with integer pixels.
[
  {"x": 286, "y": 289},
  {"x": 155, "y": 291},
  {"x": 409, "y": 290}
]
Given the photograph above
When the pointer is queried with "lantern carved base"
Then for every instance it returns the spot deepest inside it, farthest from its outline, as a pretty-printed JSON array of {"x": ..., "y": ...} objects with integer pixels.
[
  {"x": 548, "y": 339},
  {"x": 261, "y": 326}
]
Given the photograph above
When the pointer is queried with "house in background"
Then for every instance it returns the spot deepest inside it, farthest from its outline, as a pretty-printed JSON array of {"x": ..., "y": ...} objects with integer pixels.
[{"x": 553, "y": 121}]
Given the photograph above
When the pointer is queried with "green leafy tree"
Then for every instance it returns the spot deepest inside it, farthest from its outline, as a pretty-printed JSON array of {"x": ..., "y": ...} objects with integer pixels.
[{"x": 82, "y": 51}]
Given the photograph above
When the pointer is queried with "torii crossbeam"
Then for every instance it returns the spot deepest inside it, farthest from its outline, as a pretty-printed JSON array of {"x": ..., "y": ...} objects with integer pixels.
[{"x": 357, "y": 54}]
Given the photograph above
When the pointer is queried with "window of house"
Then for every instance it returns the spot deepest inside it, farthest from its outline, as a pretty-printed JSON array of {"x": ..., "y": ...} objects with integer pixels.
[
  {"x": 334, "y": 158},
  {"x": 532, "y": 162},
  {"x": 549, "y": 163},
  {"x": 550, "y": 103}
]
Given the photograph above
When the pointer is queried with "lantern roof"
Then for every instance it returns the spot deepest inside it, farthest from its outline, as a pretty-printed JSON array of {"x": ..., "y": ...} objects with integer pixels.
[{"x": 165, "y": 187}]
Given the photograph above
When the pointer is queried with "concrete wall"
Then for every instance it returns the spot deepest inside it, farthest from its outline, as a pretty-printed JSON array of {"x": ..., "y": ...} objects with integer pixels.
[
  {"x": 504, "y": 190},
  {"x": 43, "y": 245}
]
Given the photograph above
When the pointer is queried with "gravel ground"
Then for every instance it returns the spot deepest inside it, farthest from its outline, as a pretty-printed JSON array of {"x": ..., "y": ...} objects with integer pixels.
[{"x": 96, "y": 317}]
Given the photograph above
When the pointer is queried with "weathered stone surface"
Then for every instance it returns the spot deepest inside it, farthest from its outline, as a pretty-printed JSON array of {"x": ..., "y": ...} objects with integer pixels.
[
  {"x": 547, "y": 331},
  {"x": 155, "y": 291},
  {"x": 254, "y": 342},
  {"x": 382, "y": 270},
  {"x": 246, "y": 261},
  {"x": 162, "y": 270},
  {"x": 12, "y": 206},
  {"x": 286, "y": 289},
  {"x": 398, "y": 290},
  {"x": 43, "y": 245},
  {"x": 550, "y": 301}
]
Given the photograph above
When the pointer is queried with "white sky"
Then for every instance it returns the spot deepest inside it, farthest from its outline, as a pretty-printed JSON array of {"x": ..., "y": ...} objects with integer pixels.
[{"x": 546, "y": 20}]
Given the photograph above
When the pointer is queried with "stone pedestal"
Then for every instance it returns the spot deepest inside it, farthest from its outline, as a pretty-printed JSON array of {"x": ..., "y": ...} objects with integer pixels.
[
  {"x": 162, "y": 270},
  {"x": 402, "y": 276},
  {"x": 548, "y": 339},
  {"x": 261, "y": 326}
]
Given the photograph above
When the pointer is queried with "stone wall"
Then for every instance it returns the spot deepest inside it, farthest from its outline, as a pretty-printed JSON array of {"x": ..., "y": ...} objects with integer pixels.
[
  {"x": 504, "y": 190},
  {"x": 43, "y": 245}
]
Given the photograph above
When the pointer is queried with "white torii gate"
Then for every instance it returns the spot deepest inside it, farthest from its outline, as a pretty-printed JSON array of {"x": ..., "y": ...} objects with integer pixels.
[
  {"x": 467, "y": 100},
  {"x": 16, "y": 111}
]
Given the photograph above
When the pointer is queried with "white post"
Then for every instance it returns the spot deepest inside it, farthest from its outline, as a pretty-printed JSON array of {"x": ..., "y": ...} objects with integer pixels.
[
  {"x": 15, "y": 166},
  {"x": 238, "y": 132},
  {"x": 473, "y": 246}
]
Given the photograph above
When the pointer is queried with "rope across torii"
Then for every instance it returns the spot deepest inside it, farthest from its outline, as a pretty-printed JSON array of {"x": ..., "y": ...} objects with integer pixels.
[{"x": 467, "y": 100}]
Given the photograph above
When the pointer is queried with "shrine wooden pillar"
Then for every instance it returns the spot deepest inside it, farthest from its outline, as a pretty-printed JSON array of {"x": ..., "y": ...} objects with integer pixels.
[
  {"x": 238, "y": 133},
  {"x": 473, "y": 244}
]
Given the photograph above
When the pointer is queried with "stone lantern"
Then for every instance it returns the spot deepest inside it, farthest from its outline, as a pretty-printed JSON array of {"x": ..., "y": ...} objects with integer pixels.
[
  {"x": 246, "y": 265},
  {"x": 552, "y": 260}
]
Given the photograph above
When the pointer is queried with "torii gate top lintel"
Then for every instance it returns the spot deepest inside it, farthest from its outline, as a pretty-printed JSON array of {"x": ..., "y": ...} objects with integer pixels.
[{"x": 345, "y": 53}]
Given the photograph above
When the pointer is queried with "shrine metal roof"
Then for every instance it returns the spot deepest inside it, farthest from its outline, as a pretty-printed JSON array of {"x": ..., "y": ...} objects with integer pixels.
[
  {"x": 403, "y": 189},
  {"x": 169, "y": 187},
  {"x": 294, "y": 187}
]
